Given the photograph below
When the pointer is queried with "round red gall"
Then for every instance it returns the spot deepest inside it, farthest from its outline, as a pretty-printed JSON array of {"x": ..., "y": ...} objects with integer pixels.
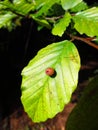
[{"x": 50, "y": 71}]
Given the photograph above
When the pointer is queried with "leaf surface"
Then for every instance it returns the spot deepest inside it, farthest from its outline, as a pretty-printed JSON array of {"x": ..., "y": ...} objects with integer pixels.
[
  {"x": 61, "y": 26},
  {"x": 46, "y": 6},
  {"x": 88, "y": 20},
  {"x": 80, "y": 7},
  {"x": 19, "y": 7},
  {"x": 13, "y": 10},
  {"x": 5, "y": 20},
  {"x": 68, "y": 4},
  {"x": 42, "y": 22},
  {"x": 44, "y": 96}
]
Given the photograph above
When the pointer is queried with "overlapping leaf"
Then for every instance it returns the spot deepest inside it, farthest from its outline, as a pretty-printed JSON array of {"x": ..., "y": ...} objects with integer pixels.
[
  {"x": 44, "y": 96},
  {"x": 47, "y": 5},
  {"x": 20, "y": 7},
  {"x": 39, "y": 3},
  {"x": 9, "y": 10},
  {"x": 5, "y": 20},
  {"x": 87, "y": 22},
  {"x": 42, "y": 22},
  {"x": 68, "y": 4},
  {"x": 61, "y": 26},
  {"x": 80, "y": 7}
]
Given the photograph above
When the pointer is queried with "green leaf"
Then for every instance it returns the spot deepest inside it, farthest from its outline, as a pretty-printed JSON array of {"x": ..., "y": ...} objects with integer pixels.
[
  {"x": 46, "y": 6},
  {"x": 44, "y": 96},
  {"x": 85, "y": 115},
  {"x": 19, "y": 7},
  {"x": 39, "y": 3},
  {"x": 23, "y": 7},
  {"x": 5, "y": 19},
  {"x": 61, "y": 26},
  {"x": 80, "y": 7},
  {"x": 42, "y": 22},
  {"x": 68, "y": 4},
  {"x": 87, "y": 22}
]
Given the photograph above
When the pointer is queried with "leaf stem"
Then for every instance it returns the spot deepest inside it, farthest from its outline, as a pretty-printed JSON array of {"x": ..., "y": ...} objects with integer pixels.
[
  {"x": 54, "y": 18},
  {"x": 86, "y": 40}
]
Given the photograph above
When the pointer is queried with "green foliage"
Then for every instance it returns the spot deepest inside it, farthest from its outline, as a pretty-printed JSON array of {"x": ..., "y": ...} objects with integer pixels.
[
  {"x": 42, "y": 22},
  {"x": 44, "y": 96},
  {"x": 80, "y": 7},
  {"x": 88, "y": 20},
  {"x": 10, "y": 12},
  {"x": 85, "y": 115},
  {"x": 46, "y": 6},
  {"x": 5, "y": 19},
  {"x": 43, "y": 16},
  {"x": 68, "y": 4},
  {"x": 43, "y": 12},
  {"x": 61, "y": 26}
]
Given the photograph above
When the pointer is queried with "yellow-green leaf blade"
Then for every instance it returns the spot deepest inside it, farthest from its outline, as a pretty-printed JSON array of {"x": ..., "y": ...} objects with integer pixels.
[
  {"x": 88, "y": 20},
  {"x": 44, "y": 96},
  {"x": 61, "y": 26},
  {"x": 46, "y": 5},
  {"x": 68, "y": 4},
  {"x": 5, "y": 19}
]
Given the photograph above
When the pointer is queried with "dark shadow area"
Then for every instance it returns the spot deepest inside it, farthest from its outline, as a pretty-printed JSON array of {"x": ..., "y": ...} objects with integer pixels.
[{"x": 16, "y": 49}]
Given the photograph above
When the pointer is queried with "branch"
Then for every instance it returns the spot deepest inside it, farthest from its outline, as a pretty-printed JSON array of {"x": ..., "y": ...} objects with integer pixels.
[
  {"x": 54, "y": 18},
  {"x": 86, "y": 40}
]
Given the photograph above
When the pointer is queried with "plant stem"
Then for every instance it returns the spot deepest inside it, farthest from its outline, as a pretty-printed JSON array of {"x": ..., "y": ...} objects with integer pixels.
[
  {"x": 54, "y": 18},
  {"x": 86, "y": 40}
]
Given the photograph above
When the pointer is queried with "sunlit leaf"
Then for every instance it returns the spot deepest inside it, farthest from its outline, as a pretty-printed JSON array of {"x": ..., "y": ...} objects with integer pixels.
[
  {"x": 42, "y": 22},
  {"x": 39, "y": 3},
  {"x": 68, "y": 4},
  {"x": 80, "y": 7},
  {"x": 5, "y": 20},
  {"x": 61, "y": 26},
  {"x": 19, "y": 7},
  {"x": 23, "y": 7},
  {"x": 44, "y": 96},
  {"x": 87, "y": 22},
  {"x": 47, "y": 5}
]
